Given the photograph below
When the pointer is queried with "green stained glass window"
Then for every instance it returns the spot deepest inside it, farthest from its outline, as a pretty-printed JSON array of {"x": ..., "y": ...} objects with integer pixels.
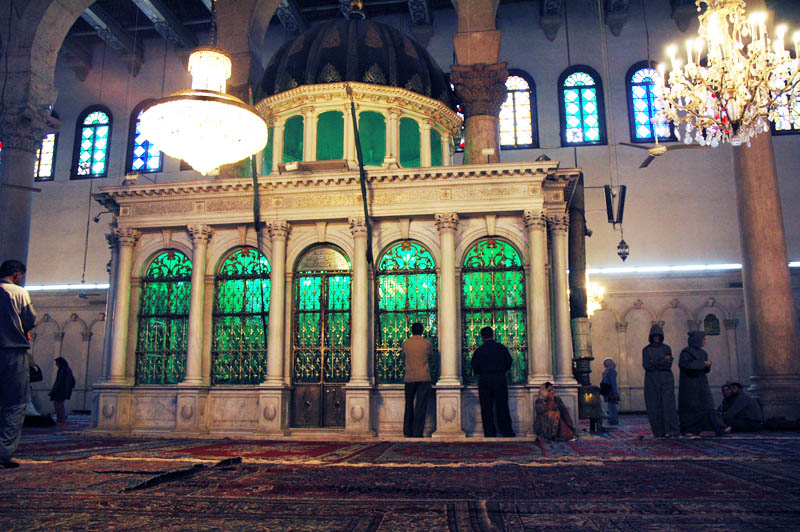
[
  {"x": 293, "y": 139},
  {"x": 409, "y": 143},
  {"x": 241, "y": 319},
  {"x": 406, "y": 294},
  {"x": 164, "y": 319},
  {"x": 266, "y": 161},
  {"x": 436, "y": 148},
  {"x": 321, "y": 322},
  {"x": 493, "y": 294},
  {"x": 330, "y": 136},
  {"x": 582, "y": 113},
  {"x": 92, "y": 138},
  {"x": 372, "y": 133}
]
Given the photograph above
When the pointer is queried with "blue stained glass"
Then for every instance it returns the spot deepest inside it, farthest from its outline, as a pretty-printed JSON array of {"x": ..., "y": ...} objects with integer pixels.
[
  {"x": 93, "y": 151},
  {"x": 581, "y": 110},
  {"x": 646, "y": 105},
  {"x": 145, "y": 156}
]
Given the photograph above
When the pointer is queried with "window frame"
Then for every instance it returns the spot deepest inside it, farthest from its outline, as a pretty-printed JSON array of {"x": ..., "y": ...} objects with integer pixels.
[
  {"x": 39, "y": 159},
  {"x": 794, "y": 130},
  {"x": 134, "y": 119},
  {"x": 636, "y": 67},
  {"x": 76, "y": 149},
  {"x": 601, "y": 107},
  {"x": 534, "y": 112}
]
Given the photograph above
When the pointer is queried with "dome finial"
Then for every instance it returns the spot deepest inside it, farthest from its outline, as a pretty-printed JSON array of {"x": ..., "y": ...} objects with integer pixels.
[{"x": 355, "y": 10}]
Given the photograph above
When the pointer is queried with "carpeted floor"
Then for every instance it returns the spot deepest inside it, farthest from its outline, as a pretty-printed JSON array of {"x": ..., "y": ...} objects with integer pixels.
[{"x": 619, "y": 480}]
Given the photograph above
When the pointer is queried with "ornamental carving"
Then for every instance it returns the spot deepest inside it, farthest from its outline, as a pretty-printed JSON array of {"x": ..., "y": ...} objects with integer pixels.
[
  {"x": 24, "y": 127},
  {"x": 481, "y": 87},
  {"x": 278, "y": 229},
  {"x": 112, "y": 240},
  {"x": 358, "y": 227},
  {"x": 127, "y": 236},
  {"x": 448, "y": 221},
  {"x": 535, "y": 219},
  {"x": 200, "y": 233},
  {"x": 558, "y": 223}
]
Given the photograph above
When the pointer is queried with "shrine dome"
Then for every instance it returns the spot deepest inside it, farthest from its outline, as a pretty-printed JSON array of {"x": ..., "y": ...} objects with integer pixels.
[{"x": 355, "y": 50}]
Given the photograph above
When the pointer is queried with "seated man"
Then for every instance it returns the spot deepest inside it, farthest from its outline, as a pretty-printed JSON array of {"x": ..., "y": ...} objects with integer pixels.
[
  {"x": 553, "y": 422},
  {"x": 739, "y": 411}
]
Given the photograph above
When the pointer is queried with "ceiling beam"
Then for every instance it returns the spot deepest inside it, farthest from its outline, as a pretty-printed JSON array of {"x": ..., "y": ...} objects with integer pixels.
[
  {"x": 166, "y": 23},
  {"x": 617, "y": 15},
  {"x": 550, "y": 15},
  {"x": 288, "y": 12},
  {"x": 115, "y": 36}
]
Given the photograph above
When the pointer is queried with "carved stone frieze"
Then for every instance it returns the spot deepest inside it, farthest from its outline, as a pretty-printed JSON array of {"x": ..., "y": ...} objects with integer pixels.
[
  {"x": 278, "y": 229},
  {"x": 481, "y": 87},
  {"x": 536, "y": 219},
  {"x": 200, "y": 233},
  {"x": 127, "y": 236},
  {"x": 447, "y": 221}
]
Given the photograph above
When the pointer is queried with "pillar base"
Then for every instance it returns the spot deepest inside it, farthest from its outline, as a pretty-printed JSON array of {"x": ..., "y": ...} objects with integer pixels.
[
  {"x": 358, "y": 411},
  {"x": 778, "y": 395},
  {"x": 112, "y": 407},
  {"x": 567, "y": 390},
  {"x": 190, "y": 412},
  {"x": 448, "y": 413},
  {"x": 273, "y": 410}
]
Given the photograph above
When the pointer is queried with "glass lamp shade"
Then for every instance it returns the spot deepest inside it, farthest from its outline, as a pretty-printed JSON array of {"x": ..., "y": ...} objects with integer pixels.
[
  {"x": 623, "y": 250},
  {"x": 204, "y": 126}
]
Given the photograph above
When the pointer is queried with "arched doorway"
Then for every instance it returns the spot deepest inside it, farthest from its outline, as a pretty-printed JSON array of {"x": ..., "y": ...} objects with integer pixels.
[{"x": 320, "y": 337}]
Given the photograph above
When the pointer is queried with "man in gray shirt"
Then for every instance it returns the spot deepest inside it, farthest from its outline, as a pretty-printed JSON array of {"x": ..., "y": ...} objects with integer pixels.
[{"x": 17, "y": 318}]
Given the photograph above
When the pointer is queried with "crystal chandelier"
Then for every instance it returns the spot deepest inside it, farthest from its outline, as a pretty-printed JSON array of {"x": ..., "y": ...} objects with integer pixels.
[
  {"x": 595, "y": 294},
  {"x": 205, "y": 126},
  {"x": 734, "y": 80}
]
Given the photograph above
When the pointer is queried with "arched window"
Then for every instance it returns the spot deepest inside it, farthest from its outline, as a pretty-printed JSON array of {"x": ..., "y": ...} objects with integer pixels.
[
  {"x": 580, "y": 95},
  {"x": 644, "y": 105},
  {"x": 372, "y": 133},
  {"x": 406, "y": 294},
  {"x": 293, "y": 139},
  {"x": 143, "y": 156},
  {"x": 45, "y": 158},
  {"x": 92, "y": 143},
  {"x": 164, "y": 319},
  {"x": 518, "y": 113},
  {"x": 436, "y": 148},
  {"x": 493, "y": 294},
  {"x": 787, "y": 120},
  {"x": 241, "y": 319},
  {"x": 409, "y": 143},
  {"x": 330, "y": 136}
]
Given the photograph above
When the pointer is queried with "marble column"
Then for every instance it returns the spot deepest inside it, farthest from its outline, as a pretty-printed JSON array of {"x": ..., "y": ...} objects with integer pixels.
[
  {"x": 309, "y": 134},
  {"x": 113, "y": 244},
  {"x": 349, "y": 142},
  {"x": 200, "y": 235},
  {"x": 730, "y": 336},
  {"x": 769, "y": 309},
  {"x": 425, "y": 144},
  {"x": 277, "y": 145},
  {"x": 448, "y": 389},
  {"x": 358, "y": 390},
  {"x": 446, "y": 153},
  {"x": 126, "y": 238},
  {"x": 566, "y": 385},
  {"x": 273, "y": 396},
  {"x": 540, "y": 354},
  {"x": 393, "y": 136}
]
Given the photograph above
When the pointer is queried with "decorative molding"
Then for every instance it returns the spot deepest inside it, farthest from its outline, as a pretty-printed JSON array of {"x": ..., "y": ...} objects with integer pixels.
[
  {"x": 200, "y": 233},
  {"x": 404, "y": 227},
  {"x": 550, "y": 16},
  {"x": 291, "y": 17},
  {"x": 558, "y": 223},
  {"x": 358, "y": 227},
  {"x": 127, "y": 236},
  {"x": 24, "y": 127},
  {"x": 536, "y": 219},
  {"x": 622, "y": 327},
  {"x": 166, "y": 23},
  {"x": 115, "y": 36},
  {"x": 278, "y": 229},
  {"x": 616, "y": 15},
  {"x": 447, "y": 221},
  {"x": 481, "y": 87}
]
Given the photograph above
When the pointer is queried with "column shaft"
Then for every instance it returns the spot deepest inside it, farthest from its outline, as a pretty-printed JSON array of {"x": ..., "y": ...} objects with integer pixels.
[
  {"x": 194, "y": 351},
  {"x": 540, "y": 359},
  {"x": 309, "y": 134},
  {"x": 278, "y": 230},
  {"x": 277, "y": 146},
  {"x": 127, "y": 239},
  {"x": 448, "y": 342},
  {"x": 425, "y": 144},
  {"x": 359, "y": 346},
  {"x": 559, "y": 225}
]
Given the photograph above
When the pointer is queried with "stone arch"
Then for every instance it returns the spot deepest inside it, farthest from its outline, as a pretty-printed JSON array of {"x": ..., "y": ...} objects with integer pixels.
[
  {"x": 74, "y": 350},
  {"x": 389, "y": 234},
  {"x": 223, "y": 243},
  {"x": 637, "y": 305},
  {"x": 674, "y": 304},
  {"x": 257, "y": 33},
  {"x": 153, "y": 247},
  {"x": 306, "y": 239},
  {"x": 94, "y": 358},
  {"x": 43, "y": 353},
  {"x": 712, "y": 303},
  {"x": 473, "y": 234},
  {"x": 639, "y": 319}
]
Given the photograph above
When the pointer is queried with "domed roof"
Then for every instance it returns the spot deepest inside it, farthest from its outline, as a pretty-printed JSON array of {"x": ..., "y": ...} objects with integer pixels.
[{"x": 355, "y": 50}]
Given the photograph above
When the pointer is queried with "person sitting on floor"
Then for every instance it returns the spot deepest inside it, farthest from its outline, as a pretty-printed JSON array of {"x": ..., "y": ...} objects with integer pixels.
[
  {"x": 553, "y": 422},
  {"x": 739, "y": 411}
]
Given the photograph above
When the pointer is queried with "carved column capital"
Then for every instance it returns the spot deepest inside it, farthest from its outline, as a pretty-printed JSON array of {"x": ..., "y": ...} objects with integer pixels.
[
  {"x": 622, "y": 327},
  {"x": 481, "y": 87},
  {"x": 535, "y": 219},
  {"x": 86, "y": 336},
  {"x": 278, "y": 229},
  {"x": 127, "y": 236},
  {"x": 24, "y": 127},
  {"x": 447, "y": 221},
  {"x": 200, "y": 233},
  {"x": 358, "y": 227},
  {"x": 558, "y": 223},
  {"x": 113, "y": 240},
  {"x": 730, "y": 323}
]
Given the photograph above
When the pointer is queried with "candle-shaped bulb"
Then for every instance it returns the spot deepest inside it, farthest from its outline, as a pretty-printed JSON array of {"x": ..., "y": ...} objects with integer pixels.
[{"x": 689, "y": 47}]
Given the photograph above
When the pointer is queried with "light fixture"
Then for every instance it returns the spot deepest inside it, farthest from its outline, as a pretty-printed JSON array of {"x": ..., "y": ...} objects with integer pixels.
[
  {"x": 205, "y": 126},
  {"x": 623, "y": 250},
  {"x": 734, "y": 79},
  {"x": 594, "y": 296}
]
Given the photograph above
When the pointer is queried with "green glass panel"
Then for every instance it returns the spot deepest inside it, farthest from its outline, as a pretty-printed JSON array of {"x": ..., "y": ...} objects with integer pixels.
[
  {"x": 409, "y": 143},
  {"x": 241, "y": 319},
  {"x": 436, "y": 148},
  {"x": 493, "y": 295},
  {"x": 163, "y": 319},
  {"x": 293, "y": 139},
  {"x": 330, "y": 136},
  {"x": 372, "y": 133},
  {"x": 266, "y": 161}
]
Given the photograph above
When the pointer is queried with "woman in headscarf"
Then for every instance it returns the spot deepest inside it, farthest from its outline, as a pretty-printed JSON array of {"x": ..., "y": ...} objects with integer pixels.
[
  {"x": 553, "y": 422},
  {"x": 695, "y": 402},
  {"x": 609, "y": 386},
  {"x": 62, "y": 389}
]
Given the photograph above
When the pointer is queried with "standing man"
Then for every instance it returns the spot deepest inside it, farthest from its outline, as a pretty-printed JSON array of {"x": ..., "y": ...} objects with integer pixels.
[
  {"x": 17, "y": 318},
  {"x": 659, "y": 386},
  {"x": 491, "y": 361},
  {"x": 417, "y": 352},
  {"x": 695, "y": 402}
]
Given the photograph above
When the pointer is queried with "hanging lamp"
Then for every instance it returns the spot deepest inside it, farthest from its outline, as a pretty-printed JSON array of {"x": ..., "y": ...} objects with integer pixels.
[{"x": 204, "y": 126}]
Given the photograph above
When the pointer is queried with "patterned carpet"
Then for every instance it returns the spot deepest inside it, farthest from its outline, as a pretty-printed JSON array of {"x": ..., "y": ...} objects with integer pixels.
[{"x": 614, "y": 481}]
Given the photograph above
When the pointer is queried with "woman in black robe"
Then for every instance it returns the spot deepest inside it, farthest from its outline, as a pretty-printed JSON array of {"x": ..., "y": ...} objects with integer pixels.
[{"x": 695, "y": 402}]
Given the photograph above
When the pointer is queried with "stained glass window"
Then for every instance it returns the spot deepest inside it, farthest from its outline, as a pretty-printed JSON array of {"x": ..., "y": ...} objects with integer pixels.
[
  {"x": 241, "y": 319},
  {"x": 644, "y": 105},
  {"x": 436, "y": 148},
  {"x": 372, "y": 133},
  {"x": 293, "y": 139},
  {"x": 266, "y": 161},
  {"x": 143, "y": 156},
  {"x": 581, "y": 107},
  {"x": 321, "y": 324},
  {"x": 786, "y": 120},
  {"x": 518, "y": 112},
  {"x": 45, "y": 159},
  {"x": 409, "y": 143},
  {"x": 164, "y": 319},
  {"x": 330, "y": 136},
  {"x": 93, "y": 140},
  {"x": 406, "y": 290},
  {"x": 493, "y": 294}
]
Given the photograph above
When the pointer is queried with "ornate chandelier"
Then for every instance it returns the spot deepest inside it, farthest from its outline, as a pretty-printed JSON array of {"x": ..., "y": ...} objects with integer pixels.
[
  {"x": 205, "y": 126},
  {"x": 734, "y": 80}
]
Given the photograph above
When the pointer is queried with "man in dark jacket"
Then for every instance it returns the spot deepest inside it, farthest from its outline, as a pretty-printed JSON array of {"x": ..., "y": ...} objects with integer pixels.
[
  {"x": 491, "y": 361},
  {"x": 659, "y": 386},
  {"x": 739, "y": 411},
  {"x": 695, "y": 403}
]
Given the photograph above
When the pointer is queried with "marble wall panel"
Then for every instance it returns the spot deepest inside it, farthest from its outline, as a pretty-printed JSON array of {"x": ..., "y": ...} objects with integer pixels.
[
  {"x": 154, "y": 410},
  {"x": 233, "y": 410}
]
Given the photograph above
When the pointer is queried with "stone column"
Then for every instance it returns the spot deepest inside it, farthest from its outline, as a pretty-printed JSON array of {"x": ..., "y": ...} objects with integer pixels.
[
  {"x": 273, "y": 397},
  {"x": 349, "y": 141},
  {"x": 425, "y": 144},
  {"x": 113, "y": 244},
  {"x": 446, "y": 160},
  {"x": 200, "y": 235},
  {"x": 730, "y": 335},
  {"x": 277, "y": 145},
  {"x": 309, "y": 134},
  {"x": 540, "y": 354},
  {"x": 393, "y": 136},
  {"x": 769, "y": 309},
  {"x": 566, "y": 385},
  {"x": 358, "y": 389},
  {"x": 127, "y": 238},
  {"x": 448, "y": 389},
  {"x": 482, "y": 90},
  {"x": 23, "y": 129}
]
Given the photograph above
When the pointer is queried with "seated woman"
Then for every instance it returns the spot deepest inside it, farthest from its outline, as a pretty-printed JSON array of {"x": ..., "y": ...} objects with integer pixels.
[{"x": 552, "y": 422}]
